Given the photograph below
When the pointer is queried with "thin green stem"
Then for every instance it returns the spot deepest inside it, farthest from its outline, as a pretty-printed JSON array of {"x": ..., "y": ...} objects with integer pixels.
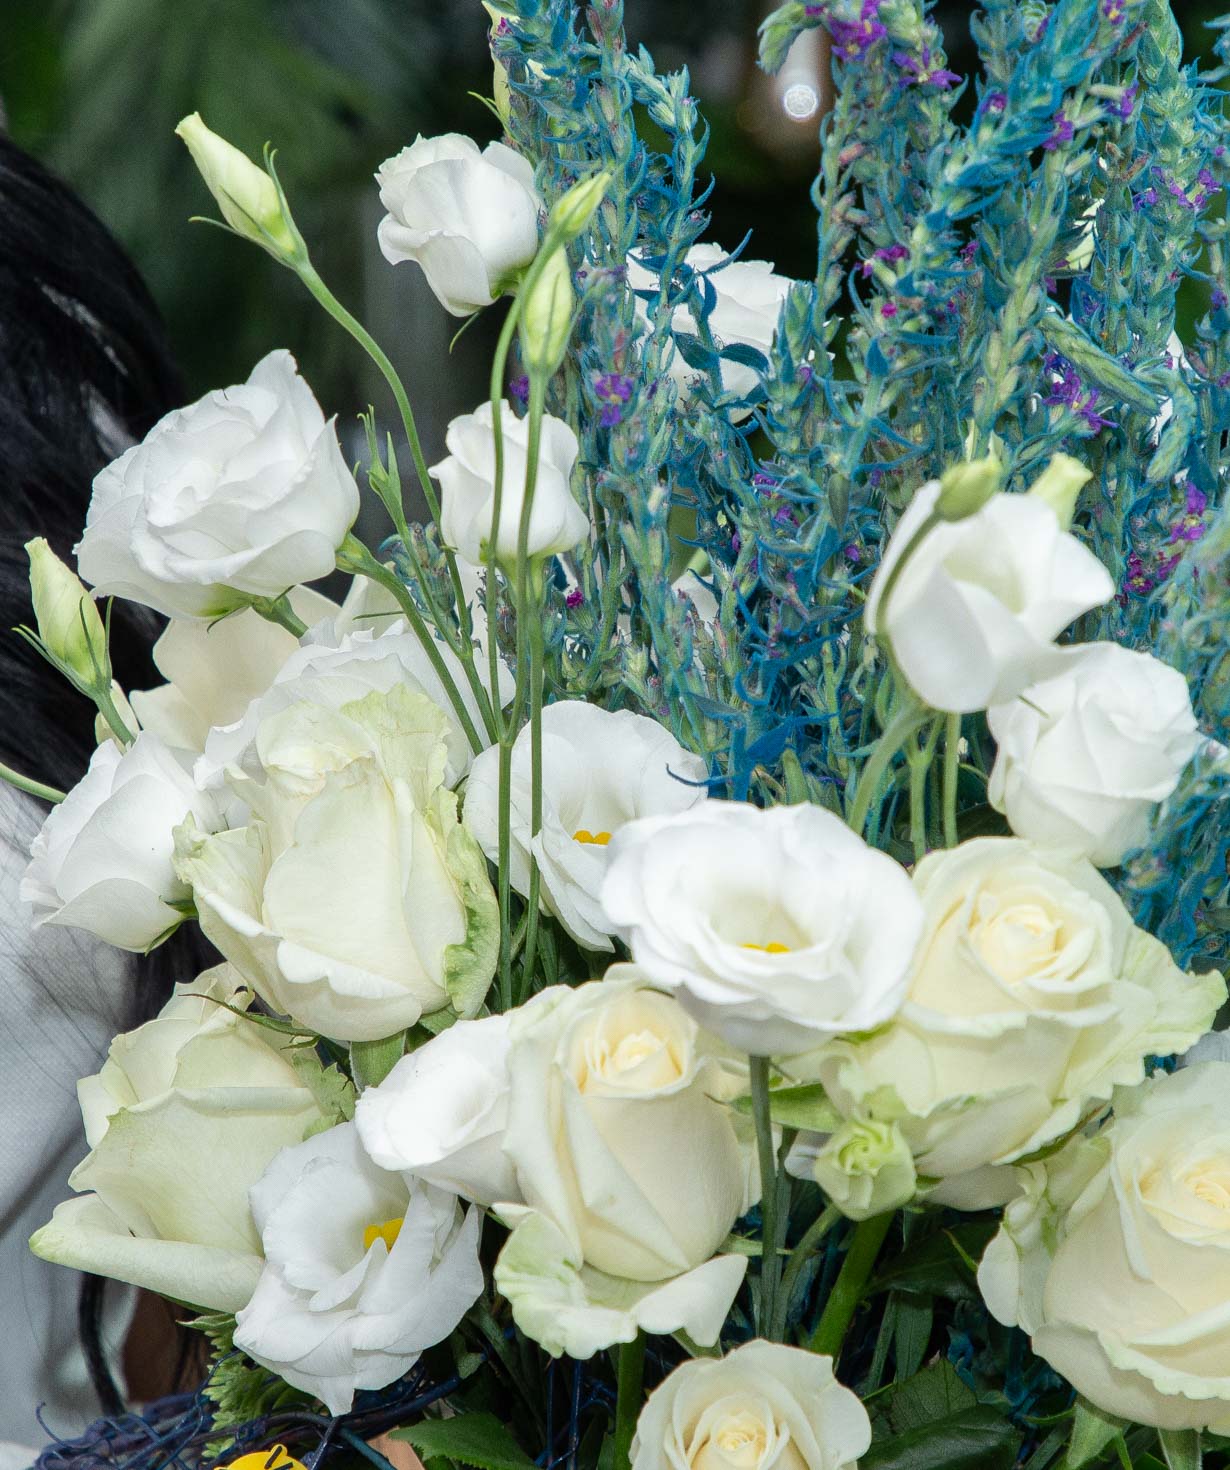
[
  {"x": 503, "y": 875},
  {"x": 278, "y": 610},
  {"x": 105, "y": 703},
  {"x": 630, "y": 1385},
  {"x": 847, "y": 1290},
  {"x": 532, "y": 652},
  {"x": 799, "y": 1257},
  {"x": 30, "y": 786},
  {"x": 770, "y": 1262},
  {"x": 1121, "y": 1450},
  {"x": 909, "y": 716},
  {"x": 919, "y": 758},
  {"x": 952, "y": 769}
]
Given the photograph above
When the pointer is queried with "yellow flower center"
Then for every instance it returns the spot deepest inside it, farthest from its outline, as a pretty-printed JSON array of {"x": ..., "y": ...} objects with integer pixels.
[
  {"x": 274, "y": 1458},
  {"x": 771, "y": 948},
  {"x": 737, "y": 1442},
  {"x": 388, "y": 1232},
  {"x": 595, "y": 839}
]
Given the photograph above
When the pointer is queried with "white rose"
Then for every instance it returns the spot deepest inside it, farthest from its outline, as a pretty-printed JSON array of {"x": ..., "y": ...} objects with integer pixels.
[
  {"x": 242, "y": 494},
  {"x": 442, "y": 1111},
  {"x": 354, "y": 901},
  {"x": 467, "y": 485},
  {"x": 1032, "y": 997},
  {"x": 623, "y": 1146},
  {"x": 470, "y": 219},
  {"x": 747, "y": 301},
  {"x": 364, "y": 1269},
  {"x": 103, "y": 860},
  {"x": 865, "y": 1167},
  {"x": 328, "y": 671},
  {"x": 185, "y": 1114},
  {"x": 776, "y": 928},
  {"x": 973, "y": 615},
  {"x": 1116, "y": 1260},
  {"x": 600, "y": 770},
  {"x": 762, "y": 1405},
  {"x": 214, "y": 670},
  {"x": 1084, "y": 756}
]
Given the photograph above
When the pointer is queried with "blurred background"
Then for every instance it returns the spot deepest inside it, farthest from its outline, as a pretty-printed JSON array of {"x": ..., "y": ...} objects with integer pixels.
[{"x": 94, "y": 88}]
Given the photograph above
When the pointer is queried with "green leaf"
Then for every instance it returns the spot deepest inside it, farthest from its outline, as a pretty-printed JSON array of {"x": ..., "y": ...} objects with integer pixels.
[
  {"x": 479, "y": 1440},
  {"x": 1092, "y": 1431},
  {"x": 332, "y": 1089},
  {"x": 1181, "y": 1448},
  {"x": 806, "y": 1108},
  {"x": 938, "y": 1392},
  {"x": 470, "y": 965},
  {"x": 974, "y": 1439},
  {"x": 938, "y": 1265},
  {"x": 372, "y": 1061},
  {"x": 911, "y": 1334}
]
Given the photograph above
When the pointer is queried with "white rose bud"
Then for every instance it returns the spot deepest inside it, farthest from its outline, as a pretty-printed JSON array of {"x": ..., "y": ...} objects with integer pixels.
[
  {"x": 1084, "y": 756},
  {"x": 546, "y": 316},
  {"x": 866, "y": 1167},
  {"x": 763, "y": 1404},
  {"x": 240, "y": 495},
  {"x": 103, "y": 860},
  {"x": 467, "y": 484},
  {"x": 469, "y": 219},
  {"x": 245, "y": 193},
  {"x": 66, "y": 614},
  {"x": 1032, "y": 997},
  {"x": 775, "y": 928},
  {"x": 1116, "y": 1258},
  {"x": 184, "y": 1116},
  {"x": 601, "y": 770},
  {"x": 973, "y": 612},
  {"x": 364, "y": 1269}
]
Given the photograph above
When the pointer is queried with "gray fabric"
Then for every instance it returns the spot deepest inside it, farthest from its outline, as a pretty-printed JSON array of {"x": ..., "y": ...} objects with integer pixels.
[{"x": 63, "y": 996}]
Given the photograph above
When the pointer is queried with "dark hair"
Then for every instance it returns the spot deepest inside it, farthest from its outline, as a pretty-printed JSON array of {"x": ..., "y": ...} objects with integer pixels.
[{"x": 84, "y": 368}]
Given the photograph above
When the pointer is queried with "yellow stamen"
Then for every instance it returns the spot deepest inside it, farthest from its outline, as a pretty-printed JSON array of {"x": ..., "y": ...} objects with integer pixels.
[
  {"x": 771, "y": 948},
  {"x": 595, "y": 839},
  {"x": 388, "y": 1232}
]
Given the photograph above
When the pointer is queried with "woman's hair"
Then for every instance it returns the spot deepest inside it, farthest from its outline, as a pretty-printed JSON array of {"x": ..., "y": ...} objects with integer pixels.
[{"x": 85, "y": 368}]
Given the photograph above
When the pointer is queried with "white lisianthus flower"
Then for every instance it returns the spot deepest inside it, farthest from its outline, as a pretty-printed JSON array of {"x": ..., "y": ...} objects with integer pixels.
[
  {"x": 600, "y": 770},
  {"x": 441, "y": 1113},
  {"x": 775, "y": 928},
  {"x": 469, "y": 219},
  {"x": 214, "y": 670},
  {"x": 185, "y": 1114},
  {"x": 1084, "y": 756},
  {"x": 1032, "y": 997},
  {"x": 748, "y": 297},
  {"x": 467, "y": 485},
  {"x": 364, "y": 1269},
  {"x": 354, "y": 901},
  {"x": 632, "y": 1168},
  {"x": 242, "y": 494},
  {"x": 973, "y": 614},
  {"x": 1116, "y": 1259},
  {"x": 103, "y": 859},
  {"x": 762, "y": 1405},
  {"x": 329, "y": 671}
]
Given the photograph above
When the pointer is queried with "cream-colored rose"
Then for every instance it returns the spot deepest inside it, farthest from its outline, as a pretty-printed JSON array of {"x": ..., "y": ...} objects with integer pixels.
[
  {"x": 184, "y": 1116},
  {"x": 623, "y": 1145},
  {"x": 1032, "y": 997},
  {"x": 354, "y": 900},
  {"x": 1116, "y": 1259},
  {"x": 762, "y": 1405},
  {"x": 865, "y": 1167}
]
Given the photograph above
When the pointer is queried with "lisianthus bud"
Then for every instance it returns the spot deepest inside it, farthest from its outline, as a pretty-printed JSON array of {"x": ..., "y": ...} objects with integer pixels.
[
  {"x": 966, "y": 488},
  {"x": 866, "y": 1167},
  {"x": 246, "y": 194},
  {"x": 67, "y": 616},
  {"x": 571, "y": 212},
  {"x": 546, "y": 318},
  {"x": 1060, "y": 485}
]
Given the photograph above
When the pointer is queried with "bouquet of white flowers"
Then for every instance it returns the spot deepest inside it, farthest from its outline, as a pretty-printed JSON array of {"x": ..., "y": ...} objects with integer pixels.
[{"x": 671, "y": 1015}]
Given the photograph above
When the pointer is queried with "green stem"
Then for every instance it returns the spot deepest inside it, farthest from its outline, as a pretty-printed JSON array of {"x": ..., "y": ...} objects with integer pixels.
[
  {"x": 29, "y": 786},
  {"x": 354, "y": 557},
  {"x": 106, "y": 706},
  {"x": 799, "y": 1257},
  {"x": 910, "y": 714},
  {"x": 952, "y": 763},
  {"x": 770, "y": 1262},
  {"x": 503, "y": 875},
  {"x": 630, "y": 1381},
  {"x": 847, "y": 1290},
  {"x": 278, "y": 610}
]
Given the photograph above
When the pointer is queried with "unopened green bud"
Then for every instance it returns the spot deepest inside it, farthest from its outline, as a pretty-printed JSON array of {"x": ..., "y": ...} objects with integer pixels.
[
  {"x": 1060, "y": 485},
  {"x": 966, "y": 488},
  {"x": 245, "y": 193},
  {"x": 572, "y": 211},
  {"x": 546, "y": 317},
  {"x": 66, "y": 614}
]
